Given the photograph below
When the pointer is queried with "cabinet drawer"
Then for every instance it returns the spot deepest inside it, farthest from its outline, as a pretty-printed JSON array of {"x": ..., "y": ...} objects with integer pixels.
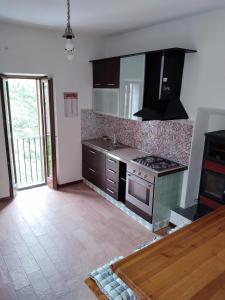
[
  {"x": 112, "y": 192},
  {"x": 112, "y": 174},
  {"x": 90, "y": 173},
  {"x": 93, "y": 158},
  {"x": 94, "y": 176},
  {"x": 112, "y": 183},
  {"x": 112, "y": 163}
]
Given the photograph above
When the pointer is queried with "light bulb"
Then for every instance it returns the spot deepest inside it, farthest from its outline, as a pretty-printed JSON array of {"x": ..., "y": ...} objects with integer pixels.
[
  {"x": 69, "y": 45},
  {"x": 70, "y": 55}
]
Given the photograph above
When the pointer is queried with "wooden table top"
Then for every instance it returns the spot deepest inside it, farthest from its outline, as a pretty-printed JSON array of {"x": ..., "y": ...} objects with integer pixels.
[{"x": 188, "y": 264}]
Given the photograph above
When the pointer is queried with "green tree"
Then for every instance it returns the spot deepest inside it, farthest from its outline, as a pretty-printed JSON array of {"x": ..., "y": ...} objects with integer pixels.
[{"x": 23, "y": 99}]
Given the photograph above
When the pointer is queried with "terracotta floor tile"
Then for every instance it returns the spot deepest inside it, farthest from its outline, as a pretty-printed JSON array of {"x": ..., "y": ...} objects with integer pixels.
[{"x": 50, "y": 241}]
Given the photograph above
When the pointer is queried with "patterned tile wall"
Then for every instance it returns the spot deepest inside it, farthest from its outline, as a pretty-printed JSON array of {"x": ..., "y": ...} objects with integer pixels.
[{"x": 169, "y": 139}]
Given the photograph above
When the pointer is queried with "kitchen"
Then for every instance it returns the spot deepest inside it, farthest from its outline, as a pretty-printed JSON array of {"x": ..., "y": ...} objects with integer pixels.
[
  {"x": 142, "y": 175},
  {"x": 148, "y": 85}
]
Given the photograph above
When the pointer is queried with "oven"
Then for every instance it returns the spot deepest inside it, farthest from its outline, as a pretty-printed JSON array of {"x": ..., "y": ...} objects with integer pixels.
[
  {"x": 139, "y": 196},
  {"x": 213, "y": 186}
]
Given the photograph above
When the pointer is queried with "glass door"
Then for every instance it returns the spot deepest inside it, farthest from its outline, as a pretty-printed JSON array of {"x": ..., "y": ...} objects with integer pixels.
[
  {"x": 48, "y": 121},
  {"x": 7, "y": 121},
  {"x": 215, "y": 150},
  {"x": 213, "y": 186}
]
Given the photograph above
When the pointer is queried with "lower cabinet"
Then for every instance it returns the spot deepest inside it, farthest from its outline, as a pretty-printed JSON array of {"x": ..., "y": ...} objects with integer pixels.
[
  {"x": 116, "y": 178},
  {"x": 107, "y": 173},
  {"x": 93, "y": 166},
  {"x": 112, "y": 177}
]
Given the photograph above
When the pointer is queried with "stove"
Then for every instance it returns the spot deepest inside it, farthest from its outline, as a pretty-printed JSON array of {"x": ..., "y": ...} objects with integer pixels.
[
  {"x": 156, "y": 163},
  {"x": 142, "y": 173}
]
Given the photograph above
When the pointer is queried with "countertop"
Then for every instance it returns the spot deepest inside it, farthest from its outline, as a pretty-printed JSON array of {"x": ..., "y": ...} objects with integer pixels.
[
  {"x": 119, "y": 151},
  {"x": 188, "y": 264},
  {"x": 126, "y": 154}
]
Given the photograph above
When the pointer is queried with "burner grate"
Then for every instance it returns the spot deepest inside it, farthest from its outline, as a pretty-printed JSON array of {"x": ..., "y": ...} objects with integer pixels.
[{"x": 156, "y": 163}]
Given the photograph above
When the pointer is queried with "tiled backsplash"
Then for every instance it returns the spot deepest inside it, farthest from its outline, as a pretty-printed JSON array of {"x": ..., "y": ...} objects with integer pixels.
[{"x": 169, "y": 139}]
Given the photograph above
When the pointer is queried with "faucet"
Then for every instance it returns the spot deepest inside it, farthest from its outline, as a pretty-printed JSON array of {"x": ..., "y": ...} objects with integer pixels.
[{"x": 114, "y": 139}]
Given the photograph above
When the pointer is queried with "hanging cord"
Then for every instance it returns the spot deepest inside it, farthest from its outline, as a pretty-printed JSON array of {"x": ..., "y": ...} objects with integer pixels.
[{"x": 68, "y": 13}]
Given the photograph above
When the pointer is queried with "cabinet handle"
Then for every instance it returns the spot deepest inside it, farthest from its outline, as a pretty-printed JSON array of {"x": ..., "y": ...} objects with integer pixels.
[
  {"x": 111, "y": 84},
  {"x": 112, "y": 161},
  {"x": 91, "y": 151},
  {"x": 110, "y": 180},
  {"x": 92, "y": 170},
  {"x": 97, "y": 84},
  {"x": 110, "y": 191},
  {"x": 111, "y": 171},
  {"x": 123, "y": 179}
]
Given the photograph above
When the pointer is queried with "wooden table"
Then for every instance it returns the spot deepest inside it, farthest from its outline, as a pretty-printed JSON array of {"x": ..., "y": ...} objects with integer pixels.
[{"x": 188, "y": 264}]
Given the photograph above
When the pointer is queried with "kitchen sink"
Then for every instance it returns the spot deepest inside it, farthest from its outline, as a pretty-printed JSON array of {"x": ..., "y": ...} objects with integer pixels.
[{"x": 106, "y": 144}]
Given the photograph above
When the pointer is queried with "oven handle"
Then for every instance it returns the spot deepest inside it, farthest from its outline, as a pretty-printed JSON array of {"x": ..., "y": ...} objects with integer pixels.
[{"x": 139, "y": 180}]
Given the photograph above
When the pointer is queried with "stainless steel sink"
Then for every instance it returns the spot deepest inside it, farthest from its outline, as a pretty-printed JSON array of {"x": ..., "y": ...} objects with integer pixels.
[{"x": 106, "y": 144}]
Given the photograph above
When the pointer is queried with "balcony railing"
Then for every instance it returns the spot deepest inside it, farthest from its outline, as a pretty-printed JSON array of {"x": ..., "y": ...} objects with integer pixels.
[{"x": 29, "y": 161}]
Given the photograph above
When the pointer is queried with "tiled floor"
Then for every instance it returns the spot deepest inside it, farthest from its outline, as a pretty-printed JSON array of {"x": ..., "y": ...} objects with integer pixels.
[{"x": 50, "y": 240}]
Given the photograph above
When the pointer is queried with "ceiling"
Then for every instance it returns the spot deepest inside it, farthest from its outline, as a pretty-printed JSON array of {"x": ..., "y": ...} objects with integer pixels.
[{"x": 103, "y": 17}]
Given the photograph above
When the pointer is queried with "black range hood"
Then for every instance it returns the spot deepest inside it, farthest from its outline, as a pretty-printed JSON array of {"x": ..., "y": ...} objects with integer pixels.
[
  {"x": 163, "y": 110},
  {"x": 162, "y": 86}
]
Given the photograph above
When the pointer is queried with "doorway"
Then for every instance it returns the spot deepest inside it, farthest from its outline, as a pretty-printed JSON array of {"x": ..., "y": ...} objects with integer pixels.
[{"x": 28, "y": 116}]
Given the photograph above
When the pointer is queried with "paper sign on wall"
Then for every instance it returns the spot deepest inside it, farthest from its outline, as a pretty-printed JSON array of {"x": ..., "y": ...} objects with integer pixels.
[{"x": 71, "y": 104}]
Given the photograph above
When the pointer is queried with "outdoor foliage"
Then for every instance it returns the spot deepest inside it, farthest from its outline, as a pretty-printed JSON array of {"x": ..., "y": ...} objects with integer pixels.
[
  {"x": 23, "y": 99},
  {"x": 27, "y": 140}
]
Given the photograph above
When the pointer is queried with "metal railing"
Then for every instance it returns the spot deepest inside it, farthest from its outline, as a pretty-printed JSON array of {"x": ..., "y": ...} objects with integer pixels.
[{"x": 29, "y": 161}]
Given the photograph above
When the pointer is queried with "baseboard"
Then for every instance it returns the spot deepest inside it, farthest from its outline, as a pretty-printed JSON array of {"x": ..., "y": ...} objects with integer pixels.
[
  {"x": 69, "y": 183},
  {"x": 4, "y": 199}
]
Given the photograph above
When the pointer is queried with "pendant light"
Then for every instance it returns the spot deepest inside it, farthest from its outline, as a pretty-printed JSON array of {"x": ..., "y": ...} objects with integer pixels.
[{"x": 69, "y": 36}]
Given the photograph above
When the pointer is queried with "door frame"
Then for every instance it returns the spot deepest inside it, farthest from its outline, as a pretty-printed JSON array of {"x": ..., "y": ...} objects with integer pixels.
[
  {"x": 39, "y": 95},
  {"x": 11, "y": 189},
  {"x": 51, "y": 182}
]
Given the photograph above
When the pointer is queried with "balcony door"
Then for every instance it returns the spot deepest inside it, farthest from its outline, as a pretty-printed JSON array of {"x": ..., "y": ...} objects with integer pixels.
[
  {"x": 29, "y": 125},
  {"x": 7, "y": 122},
  {"x": 48, "y": 130}
]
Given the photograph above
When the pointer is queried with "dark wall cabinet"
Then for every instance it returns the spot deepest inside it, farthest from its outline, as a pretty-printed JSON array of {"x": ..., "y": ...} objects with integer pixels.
[{"x": 106, "y": 73}]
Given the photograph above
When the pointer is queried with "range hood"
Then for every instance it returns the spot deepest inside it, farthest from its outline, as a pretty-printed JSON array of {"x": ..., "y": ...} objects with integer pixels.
[
  {"x": 162, "y": 86},
  {"x": 163, "y": 110}
]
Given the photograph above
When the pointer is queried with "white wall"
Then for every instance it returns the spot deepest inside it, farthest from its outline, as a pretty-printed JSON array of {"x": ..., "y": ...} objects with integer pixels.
[
  {"x": 204, "y": 72},
  {"x": 207, "y": 120},
  {"x": 37, "y": 51}
]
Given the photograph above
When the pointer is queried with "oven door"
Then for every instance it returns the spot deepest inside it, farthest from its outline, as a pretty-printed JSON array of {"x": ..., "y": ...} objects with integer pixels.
[
  {"x": 139, "y": 193},
  {"x": 213, "y": 186}
]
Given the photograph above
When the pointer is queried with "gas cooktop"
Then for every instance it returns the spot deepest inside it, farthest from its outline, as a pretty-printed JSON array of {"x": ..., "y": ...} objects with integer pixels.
[{"x": 157, "y": 163}]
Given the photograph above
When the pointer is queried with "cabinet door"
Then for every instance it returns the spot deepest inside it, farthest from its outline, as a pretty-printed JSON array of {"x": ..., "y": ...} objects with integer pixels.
[
  {"x": 112, "y": 72},
  {"x": 106, "y": 101},
  {"x": 93, "y": 166},
  {"x": 132, "y": 72},
  {"x": 106, "y": 73},
  {"x": 99, "y": 74}
]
